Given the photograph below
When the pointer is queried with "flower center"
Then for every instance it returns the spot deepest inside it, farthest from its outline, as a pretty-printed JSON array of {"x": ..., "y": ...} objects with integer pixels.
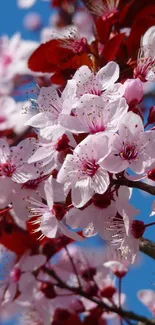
[
  {"x": 129, "y": 152},
  {"x": 58, "y": 211},
  {"x": 102, "y": 201},
  {"x": 7, "y": 169},
  {"x": 90, "y": 167},
  {"x": 6, "y": 59},
  {"x": 143, "y": 68}
]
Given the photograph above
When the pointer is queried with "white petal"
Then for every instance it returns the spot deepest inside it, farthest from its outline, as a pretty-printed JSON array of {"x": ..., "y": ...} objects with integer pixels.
[
  {"x": 69, "y": 233},
  {"x": 32, "y": 263},
  {"x": 26, "y": 3},
  {"x": 81, "y": 193},
  {"x": 108, "y": 74},
  {"x": 38, "y": 121},
  {"x": 49, "y": 192},
  {"x": 49, "y": 225}
]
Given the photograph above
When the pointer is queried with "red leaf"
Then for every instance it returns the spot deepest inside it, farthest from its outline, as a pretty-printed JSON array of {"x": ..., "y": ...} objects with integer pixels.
[
  {"x": 138, "y": 29},
  {"x": 129, "y": 14},
  {"x": 17, "y": 240},
  {"x": 112, "y": 47},
  {"x": 100, "y": 26},
  {"x": 38, "y": 61}
]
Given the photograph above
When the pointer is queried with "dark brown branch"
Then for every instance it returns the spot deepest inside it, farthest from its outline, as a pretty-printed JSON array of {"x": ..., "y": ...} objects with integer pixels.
[
  {"x": 147, "y": 247},
  {"x": 123, "y": 313},
  {"x": 135, "y": 184}
]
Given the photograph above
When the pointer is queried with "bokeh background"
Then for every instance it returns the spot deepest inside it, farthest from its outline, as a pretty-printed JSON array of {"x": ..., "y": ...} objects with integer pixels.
[{"x": 141, "y": 276}]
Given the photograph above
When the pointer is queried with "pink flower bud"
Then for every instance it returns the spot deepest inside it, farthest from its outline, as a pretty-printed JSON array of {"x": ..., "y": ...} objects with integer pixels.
[
  {"x": 151, "y": 117},
  {"x": 108, "y": 291},
  {"x": 133, "y": 91},
  {"x": 32, "y": 21},
  {"x": 48, "y": 290}
]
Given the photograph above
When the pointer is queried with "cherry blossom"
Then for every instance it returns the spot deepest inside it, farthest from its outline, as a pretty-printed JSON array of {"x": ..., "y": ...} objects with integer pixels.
[
  {"x": 131, "y": 148},
  {"x": 93, "y": 115},
  {"x": 102, "y": 83},
  {"x": 82, "y": 171},
  {"x": 50, "y": 106},
  {"x": 50, "y": 215},
  {"x": 26, "y": 3},
  {"x": 147, "y": 297},
  {"x": 146, "y": 58},
  {"x": 14, "y": 53},
  {"x": 14, "y": 167},
  {"x": 19, "y": 274}
]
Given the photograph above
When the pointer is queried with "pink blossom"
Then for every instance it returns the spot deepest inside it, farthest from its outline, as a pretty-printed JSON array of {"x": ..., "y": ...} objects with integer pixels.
[
  {"x": 100, "y": 84},
  {"x": 50, "y": 215},
  {"x": 131, "y": 148},
  {"x": 94, "y": 114},
  {"x": 32, "y": 21},
  {"x": 18, "y": 274},
  {"x": 82, "y": 172},
  {"x": 146, "y": 58},
  {"x": 147, "y": 297},
  {"x": 14, "y": 167},
  {"x": 25, "y": 3},
  {"x": 50, "y": 105},
  {"x": 14, "y": 53}
]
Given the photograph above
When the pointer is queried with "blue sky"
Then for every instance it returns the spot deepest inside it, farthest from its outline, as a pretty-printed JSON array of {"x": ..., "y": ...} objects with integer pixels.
[{"x": 142, "y": 276}]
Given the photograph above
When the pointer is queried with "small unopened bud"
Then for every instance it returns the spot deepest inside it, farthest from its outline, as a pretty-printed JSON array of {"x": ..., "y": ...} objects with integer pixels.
[
  {"x": 91, "y": 289},
  {"x": 133, "y": 91},
  {"x": 88, "y": 273},
  {"x": 137, "y": 228},
  {"x": 77, "y": 307},
  {"x": 151, "y": 117},
  {"x": 108, "y": 292},
  {"x": 61, "y": 315},
  {"x": 48, "y": 290},
  {"x": 32, "y": 21}
]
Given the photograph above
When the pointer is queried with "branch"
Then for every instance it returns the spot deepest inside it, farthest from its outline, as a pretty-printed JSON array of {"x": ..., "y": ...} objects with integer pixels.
[
  {"x": 123, "y": 313},
  {"x": 135, "y": 184},
  {"x": 147, "y": 247}
]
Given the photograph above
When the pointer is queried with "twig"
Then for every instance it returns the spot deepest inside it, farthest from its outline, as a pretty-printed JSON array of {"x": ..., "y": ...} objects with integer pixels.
[
  {"x": 135, "y": 184},
  {"x": 147, "y": 247},
  {"x": 73, "y": 266},
  {"x": 100, "y": 303}
]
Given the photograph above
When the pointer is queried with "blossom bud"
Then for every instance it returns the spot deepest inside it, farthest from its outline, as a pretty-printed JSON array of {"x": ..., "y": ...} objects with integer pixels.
[
  {"x": 108, "y": 292},
  {"x": 88, "y": 273},
  {"x": 77, "y": 307},
  {"x": 61, "y": 315},
  {"x": 151, "y": 116},
  {"x": 137, "y": 228},
  {"x": 32, "y": 21},
  {"x": 91, "y": 289},
  {"x": 133, "y": 91},
  {"x": 48, "y": 290}
]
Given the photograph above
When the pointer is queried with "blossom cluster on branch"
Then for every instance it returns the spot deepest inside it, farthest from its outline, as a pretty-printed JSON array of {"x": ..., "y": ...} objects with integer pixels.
[{"x": 70, "y": 157}]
